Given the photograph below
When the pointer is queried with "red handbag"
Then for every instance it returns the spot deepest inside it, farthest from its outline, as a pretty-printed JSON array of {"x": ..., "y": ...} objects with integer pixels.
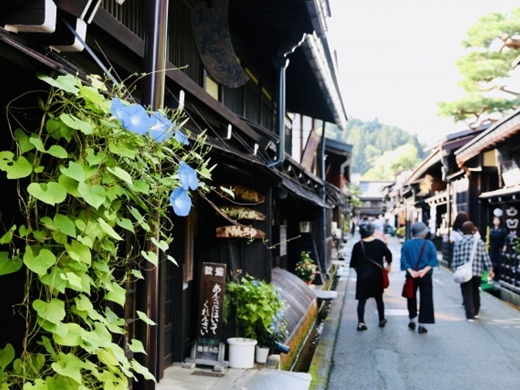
[
  {"x": 408, "y": 287},
  {"x": 384, "y": 272}
]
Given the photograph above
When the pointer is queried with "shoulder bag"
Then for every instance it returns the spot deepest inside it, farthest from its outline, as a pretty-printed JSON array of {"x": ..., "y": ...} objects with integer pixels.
[
  {"x": 463, "y": 273},
  {"x": 384, "y": 272},
  {"x": 408, "y": 287}
]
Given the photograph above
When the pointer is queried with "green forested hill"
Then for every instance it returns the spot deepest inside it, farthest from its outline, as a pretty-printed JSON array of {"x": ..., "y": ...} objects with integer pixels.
[{"x": 379, "y": 150}]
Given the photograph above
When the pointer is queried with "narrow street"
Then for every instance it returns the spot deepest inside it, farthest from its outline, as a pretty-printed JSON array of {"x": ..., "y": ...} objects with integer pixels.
[{"x": 454, "y": 354}]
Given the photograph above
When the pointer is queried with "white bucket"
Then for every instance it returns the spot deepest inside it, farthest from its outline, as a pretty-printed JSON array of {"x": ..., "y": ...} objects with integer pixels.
[
  {"x": 261, "y": 354},
  {"x": 241, "y": 352}
]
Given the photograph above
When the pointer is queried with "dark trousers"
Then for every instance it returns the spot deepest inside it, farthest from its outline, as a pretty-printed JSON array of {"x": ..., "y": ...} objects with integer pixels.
[
  {"x": 380, "y": 308},
  {"x": 425, "y": 287},
  {"x": 471, "y": 295}
]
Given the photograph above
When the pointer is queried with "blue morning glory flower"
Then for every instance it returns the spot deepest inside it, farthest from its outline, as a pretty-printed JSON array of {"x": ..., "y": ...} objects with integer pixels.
[
  {"x": 117, "y": 107},
  {"x": 160, "y": 130},
  {"x": 180, "y": 201},
  {"x": 134, "y": 118},
  {"x": 188, "y": 176}
]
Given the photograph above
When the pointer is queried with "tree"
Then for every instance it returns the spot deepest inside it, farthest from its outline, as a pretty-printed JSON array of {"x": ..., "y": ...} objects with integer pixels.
[
  {"x": 393, "y": 161},
  {"x": 371, "y": 140},
  {"x": 493, "y": 44}
]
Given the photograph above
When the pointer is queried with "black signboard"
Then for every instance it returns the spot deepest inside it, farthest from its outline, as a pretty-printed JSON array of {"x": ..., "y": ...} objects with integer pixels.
[{"x": 212, "y": 289}]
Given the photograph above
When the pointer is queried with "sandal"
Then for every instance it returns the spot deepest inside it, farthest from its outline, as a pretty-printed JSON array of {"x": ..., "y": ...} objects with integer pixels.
[{"x": 361, "y": 326}]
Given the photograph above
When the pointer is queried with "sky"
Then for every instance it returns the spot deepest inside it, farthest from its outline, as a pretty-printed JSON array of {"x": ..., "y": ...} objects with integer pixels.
[{"x": 397, "y": 58}]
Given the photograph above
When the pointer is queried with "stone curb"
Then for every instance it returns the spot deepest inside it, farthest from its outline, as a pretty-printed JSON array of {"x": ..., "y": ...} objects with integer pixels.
[{"x": 322, "y": 360}]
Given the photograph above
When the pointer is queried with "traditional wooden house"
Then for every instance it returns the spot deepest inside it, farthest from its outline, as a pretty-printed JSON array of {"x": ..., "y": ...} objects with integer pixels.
[
  {"x": 491, "y": 164},
  {"x": 258, "y": 77},
  {"x": 372, "y": 198}
]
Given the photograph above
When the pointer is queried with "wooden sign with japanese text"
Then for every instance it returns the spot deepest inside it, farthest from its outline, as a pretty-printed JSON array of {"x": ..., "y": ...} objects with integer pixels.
[{"x": 212, "y": 289}]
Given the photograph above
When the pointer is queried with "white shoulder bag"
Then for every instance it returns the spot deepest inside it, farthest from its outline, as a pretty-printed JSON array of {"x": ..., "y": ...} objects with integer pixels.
[{"x": 463, "y": 273}]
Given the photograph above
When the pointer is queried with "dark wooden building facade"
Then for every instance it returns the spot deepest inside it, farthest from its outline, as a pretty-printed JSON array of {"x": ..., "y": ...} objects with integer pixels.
[{"x": 238, "y": 69}]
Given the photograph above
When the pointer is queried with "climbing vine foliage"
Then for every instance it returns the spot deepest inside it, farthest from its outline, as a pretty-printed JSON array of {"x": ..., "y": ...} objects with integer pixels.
[{"x": 96, "y": 176}]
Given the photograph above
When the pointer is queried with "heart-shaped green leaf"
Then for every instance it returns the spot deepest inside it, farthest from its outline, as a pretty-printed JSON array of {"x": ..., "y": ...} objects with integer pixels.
[
  {"x": 143, "y": 317},
  {"x": 55, "y": 281},
  {"x": 37, "y": 142},
  {"x": 150, "y": 256},
  {"x": 70, "y": 185},
  {"x": 23, "y": 141},
  {"x": 125, "y": 223},
  {"x": 77, "y": 124},
  {"x": 16, "y": 169},
  {"x": 122, "y": 149},
  {"x": 65, "y": 225},
  {"x": 94, "y": 195},
  {"x": 108, "y": 229},
  {"x": 6, "y": 356},
  {"x": 50, "y": 193},
  {"x": 66, "y": 82},
  {"x": 8, "y": 265},
  {"x": 41, "y": 263},
  {"x": 122, "y": 174},
  {"x": 116, "y": 294},
  {"x": 140, "y": 369},
  {"x": 74, "y": 335},
  {"x": 69, "y": 366},
  {"x": 57, "y": 151},
  {"x": 73, "y": 280},
  {"x": 53, "y": 311},
  {"x": 136, "y": 346},
  {"x": 8, "y": 236},
  {"x": 74, "y": 171},
  {"x": 94, "y": 159},
  {"x": 80, "y": 252},
  {"x": 57, "y": 129}
]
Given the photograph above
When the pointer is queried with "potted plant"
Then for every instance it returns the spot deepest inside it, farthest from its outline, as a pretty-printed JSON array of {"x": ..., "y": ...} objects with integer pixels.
[
  {"x": 271, "y": 339},
  {"x": 256, "y": 305},
  {"x": 306, "y": 270}
]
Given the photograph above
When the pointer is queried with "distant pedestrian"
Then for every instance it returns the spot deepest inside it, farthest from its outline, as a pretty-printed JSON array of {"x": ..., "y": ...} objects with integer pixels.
[
  {"x": 456, "y": 229},
  {"x": 461, "y": 255},
  {"x": 418, "y": 257},
  {"x": 379, "y": 226},
  {"x": 369, "y": 278},
  {"x": 497, "y": 245},
  {"x": 456, "y": 235}
]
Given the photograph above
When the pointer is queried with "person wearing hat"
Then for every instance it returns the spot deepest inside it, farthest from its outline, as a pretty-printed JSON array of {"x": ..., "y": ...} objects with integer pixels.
[
  {"x": 461, "y": 255},
  {"x": 369, "y": 278},
  {"x": 418, "y": 257}
]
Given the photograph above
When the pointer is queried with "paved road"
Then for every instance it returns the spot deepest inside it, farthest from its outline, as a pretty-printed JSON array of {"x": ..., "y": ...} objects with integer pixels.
[{"x": 454, "y": 354}]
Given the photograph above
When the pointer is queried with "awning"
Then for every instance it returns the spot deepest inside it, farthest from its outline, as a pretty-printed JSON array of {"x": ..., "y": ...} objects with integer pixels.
[
  {"x": 501, "y": 192},
  {"x": 297, "y": 190}
]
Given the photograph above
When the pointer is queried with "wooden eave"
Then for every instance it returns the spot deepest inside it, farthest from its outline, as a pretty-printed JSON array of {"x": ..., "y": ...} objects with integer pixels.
[{"x": 490, "y": 138}]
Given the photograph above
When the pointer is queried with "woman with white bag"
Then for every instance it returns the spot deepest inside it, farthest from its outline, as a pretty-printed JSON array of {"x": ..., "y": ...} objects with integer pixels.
[{"x": 471, "y": 249}]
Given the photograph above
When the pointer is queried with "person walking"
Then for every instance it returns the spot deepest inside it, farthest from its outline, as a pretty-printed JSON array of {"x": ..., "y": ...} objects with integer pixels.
[
  {"x": 369, "y": 284},
  {"x": 462, "y": 254},
  {"x": 418, "y": 257},
  {"x": 497, "y": 245}
]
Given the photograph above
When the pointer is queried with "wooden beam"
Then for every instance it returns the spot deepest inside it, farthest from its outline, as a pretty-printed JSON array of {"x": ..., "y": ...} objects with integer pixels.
[{"x": 122, "y": 34}]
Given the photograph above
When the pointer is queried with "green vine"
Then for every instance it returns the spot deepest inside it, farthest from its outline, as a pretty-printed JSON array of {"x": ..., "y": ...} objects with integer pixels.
[{"x": 95, "y": 177}]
